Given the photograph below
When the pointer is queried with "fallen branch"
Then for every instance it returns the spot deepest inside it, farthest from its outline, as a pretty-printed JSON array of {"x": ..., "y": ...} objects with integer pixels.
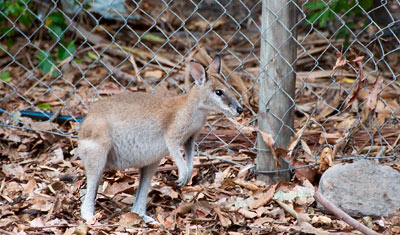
[{"x": 342, "y": 215}]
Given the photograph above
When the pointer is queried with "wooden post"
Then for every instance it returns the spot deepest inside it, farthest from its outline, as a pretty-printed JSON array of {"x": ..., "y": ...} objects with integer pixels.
[{"x": 277, "y": 83}]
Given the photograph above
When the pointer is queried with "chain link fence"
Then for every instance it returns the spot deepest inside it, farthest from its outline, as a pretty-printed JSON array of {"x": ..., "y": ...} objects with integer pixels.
[{"x": 58, "y": 57}]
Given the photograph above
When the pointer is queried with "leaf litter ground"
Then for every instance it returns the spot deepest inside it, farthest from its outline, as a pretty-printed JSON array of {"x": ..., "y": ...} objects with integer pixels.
[{"x": 344, "y": 108}]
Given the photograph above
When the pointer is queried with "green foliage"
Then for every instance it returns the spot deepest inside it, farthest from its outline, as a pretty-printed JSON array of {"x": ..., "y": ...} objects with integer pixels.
[
  {"x": 56, "y": 24},
  {"x": 14, "y": 12},
  {"x": 56, "y": 28},
  {"x": 43, "y": 106},
  {"x": 153, "y": 37},
  {"x": 5, "y": 77},
  {"x": 92, "y": 56},
  {"x": 66, "y": 50},
  {"x": 46, "y": 63},
  {"x": 323, "y": 10}
]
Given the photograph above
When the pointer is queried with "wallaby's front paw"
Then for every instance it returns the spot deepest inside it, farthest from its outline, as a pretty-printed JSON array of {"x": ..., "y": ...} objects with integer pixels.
[{"x": 147, "y": 219}]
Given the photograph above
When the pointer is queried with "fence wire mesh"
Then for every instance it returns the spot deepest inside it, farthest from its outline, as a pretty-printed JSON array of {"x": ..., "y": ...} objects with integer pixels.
[{"x": 58, "y": 57}]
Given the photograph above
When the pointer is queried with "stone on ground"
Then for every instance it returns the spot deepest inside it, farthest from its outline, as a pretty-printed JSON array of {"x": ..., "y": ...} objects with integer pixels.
[{"x": 362, "y": 188}]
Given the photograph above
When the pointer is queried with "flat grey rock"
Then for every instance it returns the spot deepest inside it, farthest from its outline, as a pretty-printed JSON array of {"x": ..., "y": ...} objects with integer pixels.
[{"x": 362, "y": 188}]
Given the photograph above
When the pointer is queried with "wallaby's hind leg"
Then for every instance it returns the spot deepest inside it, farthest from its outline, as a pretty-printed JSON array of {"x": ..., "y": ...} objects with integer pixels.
[
  {"x": 94, "y": 158},
  {"x": 189, "y": 149},
  {"x": 139, "y": 207}
]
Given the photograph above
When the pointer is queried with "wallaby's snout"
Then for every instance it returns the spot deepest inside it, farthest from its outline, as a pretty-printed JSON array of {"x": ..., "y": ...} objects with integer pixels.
[
  {"x": 239, "y": 110},
  {"x": 233, "y": 107}
]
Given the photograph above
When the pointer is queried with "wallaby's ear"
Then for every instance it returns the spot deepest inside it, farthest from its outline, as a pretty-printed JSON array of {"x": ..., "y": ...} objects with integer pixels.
[
  {"x": 216, "y": 64},
  {"x": 198, "y": 73}
]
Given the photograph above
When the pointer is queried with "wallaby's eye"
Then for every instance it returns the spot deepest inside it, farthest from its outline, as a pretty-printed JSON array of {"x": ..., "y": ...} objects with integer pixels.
[{"x": 219, "y": 92}]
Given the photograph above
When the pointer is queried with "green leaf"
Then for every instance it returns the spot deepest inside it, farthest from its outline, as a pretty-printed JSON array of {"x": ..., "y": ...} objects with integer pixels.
[
  {"x": 57, "y": 18},
  {"x": 313, "y": 17},
  {"x": 5, "y": 77},
  {"x": 78, "y": 61},
  {"x": 12, "y": 10},
  {"x": 366, "y": 4},
  {"x": 56, "y": 32},
  {"x": 342, "y": 33},
  {"x": 25, "y": 1},
  {"x": 7, "y": 31},
  {"x": 27, "y": 19},
  {"x": 341, "y": 5},
  {"x": 43, "y": 106},
  {"x": 66, "y": 51},
  {"x": 92, "y": 55},
  {"x": 10, "y": 42},
  {"x": 3, "y": 6},
  {"x": 154, "y": 38},
  {"x": 324, "y": 18},
  {"x": 315, "y": 5},
  {"x": 46, "y": 62}
]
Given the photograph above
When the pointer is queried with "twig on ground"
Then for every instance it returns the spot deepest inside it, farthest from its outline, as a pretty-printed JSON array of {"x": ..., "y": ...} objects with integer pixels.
[
  {"x": 342, "y": 215},
  {"x": 302, "y": 220}
]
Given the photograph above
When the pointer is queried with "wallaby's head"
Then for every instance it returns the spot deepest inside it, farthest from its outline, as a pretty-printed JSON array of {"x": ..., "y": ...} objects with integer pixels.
[{"x": 214, "y": 91}]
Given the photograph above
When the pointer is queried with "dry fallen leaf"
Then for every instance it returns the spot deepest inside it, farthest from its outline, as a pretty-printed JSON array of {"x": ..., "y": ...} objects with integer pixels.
[
  {"x": 165, "y": 218},
  {"x": 202, "y": 208},
  {"x": 37, "y": 222},
  {"x": 225, "y": 221},
  {"x": 117, "y": 187},
  {"x": 302, "y": 172},
  {"x": 246, "y": 213},
  {"x": 360, "y": 79},
  {"x": 129, "y": 219},
  {"x": 373, "y": 95},
  {"x": 261, "y": 221},
  {"x": 269, "y": 140},
  {"x": 263, "y": 198},
  {"x": 321, "y": 220},
  {"x": 167, "y": 191},
  {"x": 326, "y": 159},
  {"x": 82, "y": 229},
  {"x": 155, "y": 74},
  {"x": 30, "y": 186},
  {"x": 246, "y": 184},
  {"x": 329, "y": 138},
  {"x": 340, "y": 61},
  {"x": 184, "y": 208},
  {"x": 41, "y": 204},
  {"x": 13, "y": 170}
]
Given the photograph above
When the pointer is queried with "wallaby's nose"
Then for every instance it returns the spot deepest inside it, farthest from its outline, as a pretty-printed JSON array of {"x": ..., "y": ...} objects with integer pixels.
[{"x": 239, "y": 110}]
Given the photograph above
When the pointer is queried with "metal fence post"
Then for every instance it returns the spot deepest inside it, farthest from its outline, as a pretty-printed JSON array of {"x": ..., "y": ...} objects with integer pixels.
[{"x": 277, "y": 83}]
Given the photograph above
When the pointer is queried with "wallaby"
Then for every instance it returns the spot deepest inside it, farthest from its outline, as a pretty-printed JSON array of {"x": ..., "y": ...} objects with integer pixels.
[{"x": 139, "y": 129}]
